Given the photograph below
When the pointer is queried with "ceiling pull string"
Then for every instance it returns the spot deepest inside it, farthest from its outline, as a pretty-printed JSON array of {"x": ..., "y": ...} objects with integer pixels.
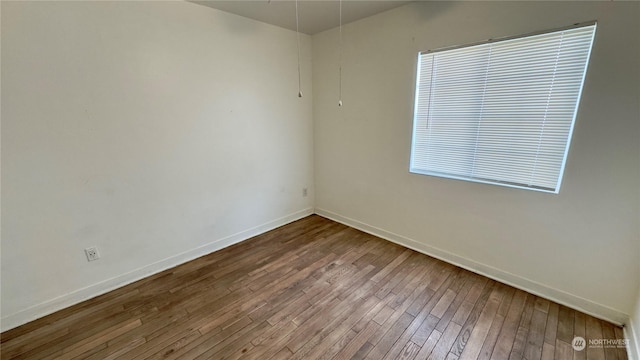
[
  {"x": 298, "y": 39},
  {"x": 340, "y": 60}
]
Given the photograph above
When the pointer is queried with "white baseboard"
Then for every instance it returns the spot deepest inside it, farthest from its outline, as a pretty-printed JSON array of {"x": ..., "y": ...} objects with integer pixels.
[
  {"x": 632, "y": 332},
  {"x": 533, "y": 287},
  {"x": 77, "y": 296}
]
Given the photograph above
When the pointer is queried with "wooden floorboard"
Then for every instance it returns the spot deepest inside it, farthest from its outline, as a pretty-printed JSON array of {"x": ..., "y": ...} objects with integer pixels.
[{"x": 313, "y": 289}]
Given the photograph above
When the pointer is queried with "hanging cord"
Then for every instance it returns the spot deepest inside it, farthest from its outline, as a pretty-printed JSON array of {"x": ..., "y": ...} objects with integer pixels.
[
  {"x": 298, "y": 39},
  {"x": 340, "y": 60}
]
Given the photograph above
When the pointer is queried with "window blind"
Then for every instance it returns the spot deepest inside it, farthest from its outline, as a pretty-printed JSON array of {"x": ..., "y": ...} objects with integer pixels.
[{"x": 500, "y": 112}]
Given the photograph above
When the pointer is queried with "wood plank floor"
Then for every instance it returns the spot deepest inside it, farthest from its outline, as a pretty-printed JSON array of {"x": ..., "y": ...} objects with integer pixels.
[{"x": 313, "y": 289}]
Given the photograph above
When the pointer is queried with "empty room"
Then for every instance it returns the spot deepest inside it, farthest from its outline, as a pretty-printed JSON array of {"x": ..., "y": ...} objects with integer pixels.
[{"x": 282, "y": 179}]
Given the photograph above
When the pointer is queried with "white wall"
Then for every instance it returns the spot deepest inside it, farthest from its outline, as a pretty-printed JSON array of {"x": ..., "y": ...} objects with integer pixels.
[
  {"x": 157, "y": 131},
  {"x": 580, "y": 247}
]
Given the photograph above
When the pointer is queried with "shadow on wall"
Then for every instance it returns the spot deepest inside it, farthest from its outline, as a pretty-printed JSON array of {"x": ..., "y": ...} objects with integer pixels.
[
  {"x": 314, "y": 14},
  {"x": 231, "y": 23},
  {"x": 424, "y": 11}
]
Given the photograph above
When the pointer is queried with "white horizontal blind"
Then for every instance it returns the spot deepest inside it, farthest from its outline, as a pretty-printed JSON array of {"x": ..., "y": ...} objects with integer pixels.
[{"x": 500, "y": 112}]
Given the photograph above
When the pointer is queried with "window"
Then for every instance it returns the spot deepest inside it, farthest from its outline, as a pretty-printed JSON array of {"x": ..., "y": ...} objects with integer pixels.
[{"x": 501, "y": 112}]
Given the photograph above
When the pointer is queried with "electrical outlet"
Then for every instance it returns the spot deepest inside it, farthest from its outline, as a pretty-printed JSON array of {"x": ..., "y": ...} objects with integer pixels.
[
  {"x": 92, "y": 253},
  {"x": 304, "y": 192}
]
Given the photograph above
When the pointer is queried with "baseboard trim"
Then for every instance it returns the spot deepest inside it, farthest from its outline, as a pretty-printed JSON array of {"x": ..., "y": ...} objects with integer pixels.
[
  {"x": 533, "y": 287},
  {"x": 632, "y": 333},
  {"x": 50, "y": 306}
]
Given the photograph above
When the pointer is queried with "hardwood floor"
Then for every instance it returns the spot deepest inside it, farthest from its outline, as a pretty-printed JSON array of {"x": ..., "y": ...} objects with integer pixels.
[{"x": 313, "y": 289}]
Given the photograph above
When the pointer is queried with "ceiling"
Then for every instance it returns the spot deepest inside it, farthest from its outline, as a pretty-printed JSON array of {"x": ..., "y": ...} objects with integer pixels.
[{"x": 314, "y": 15}]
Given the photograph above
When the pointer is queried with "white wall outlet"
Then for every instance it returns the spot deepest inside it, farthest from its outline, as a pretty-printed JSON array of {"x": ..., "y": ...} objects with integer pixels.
[
  {"x": 92, "y": 253},
  {"x": 304, "y": 192}
]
